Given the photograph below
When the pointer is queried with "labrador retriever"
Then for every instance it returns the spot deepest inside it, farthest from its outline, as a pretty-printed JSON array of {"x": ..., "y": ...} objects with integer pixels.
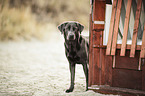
[{"x": 76, "y": 49}]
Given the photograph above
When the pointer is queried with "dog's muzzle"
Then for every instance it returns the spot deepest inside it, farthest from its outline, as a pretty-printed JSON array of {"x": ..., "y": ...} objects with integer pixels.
[{"x": 71, "y": 36}]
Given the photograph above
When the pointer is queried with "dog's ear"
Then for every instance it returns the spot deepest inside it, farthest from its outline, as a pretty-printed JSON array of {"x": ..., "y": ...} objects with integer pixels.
[
  {"x": 80, "y": 27},
  {"x": 61, "y": 27}
]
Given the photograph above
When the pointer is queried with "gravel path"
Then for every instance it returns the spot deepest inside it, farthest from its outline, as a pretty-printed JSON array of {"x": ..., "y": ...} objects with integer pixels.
[{"x": 38, "y": 69}]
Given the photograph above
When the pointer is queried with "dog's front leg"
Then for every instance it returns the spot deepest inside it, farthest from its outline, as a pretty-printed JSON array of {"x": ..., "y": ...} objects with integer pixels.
[
  {"x": 85, "y": 67},
  {"x": 72, "y": 72}
]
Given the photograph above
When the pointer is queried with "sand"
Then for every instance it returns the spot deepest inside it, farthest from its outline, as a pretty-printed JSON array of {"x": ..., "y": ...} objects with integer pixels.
[{"x": 38, "y": 68}]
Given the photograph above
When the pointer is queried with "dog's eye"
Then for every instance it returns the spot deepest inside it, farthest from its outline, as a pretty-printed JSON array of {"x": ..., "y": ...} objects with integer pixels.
[
  {"x": 69, "y": 27},
  {"x": 64, "y": 30},
  {"x": 74, "y": 28}
]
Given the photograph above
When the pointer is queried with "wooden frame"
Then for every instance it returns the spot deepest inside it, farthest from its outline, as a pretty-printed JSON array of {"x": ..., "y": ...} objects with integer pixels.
[
  {"x": 115, "y": 35},
  {"x": 126, "y": 25},
  {"x": 113, "y": 69},
  {"x": 108, "y": 51},
  {"x": 114, "y": 26},
  {"x": 135, "y": 31},
  {"x": 142, "y": 53}
]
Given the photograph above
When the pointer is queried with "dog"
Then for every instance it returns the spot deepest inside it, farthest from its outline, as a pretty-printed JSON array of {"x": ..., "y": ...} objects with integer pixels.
[{"x": 76, "y": 49}]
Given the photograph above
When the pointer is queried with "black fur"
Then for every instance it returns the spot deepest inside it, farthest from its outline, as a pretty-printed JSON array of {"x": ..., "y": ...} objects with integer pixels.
[{"x": 76, "y": 49}]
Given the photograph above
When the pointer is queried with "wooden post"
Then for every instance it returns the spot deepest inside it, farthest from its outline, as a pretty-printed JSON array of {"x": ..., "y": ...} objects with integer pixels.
[
  {"x": 142, "y": 53},
  {"x": 135, "y": 31},
  {"x": 108, "y": 51},
  {"x": 143, "y": 75},
  {"x": 126, "y": 24},
  {"x": 114, "y": 42},
  {"x": 98, "y": 27},
  {"x": 90, "y": 52}
]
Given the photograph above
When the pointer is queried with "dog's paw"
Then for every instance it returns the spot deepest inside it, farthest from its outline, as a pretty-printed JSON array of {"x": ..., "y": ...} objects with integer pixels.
[
  {"x": 69, "y": 90},
  {"x": 86, "y": 89}
]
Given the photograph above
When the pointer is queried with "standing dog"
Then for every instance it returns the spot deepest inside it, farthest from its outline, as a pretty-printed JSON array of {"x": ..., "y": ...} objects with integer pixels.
[{"x": 76, "y": 49}]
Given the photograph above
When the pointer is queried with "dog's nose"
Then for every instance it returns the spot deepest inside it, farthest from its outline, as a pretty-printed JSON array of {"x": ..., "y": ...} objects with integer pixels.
[{"x": 71, "y": 36}]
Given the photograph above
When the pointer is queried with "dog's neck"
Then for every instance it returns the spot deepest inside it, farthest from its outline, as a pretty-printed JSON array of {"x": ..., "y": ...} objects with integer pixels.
[{"x": 72, "y": 46}]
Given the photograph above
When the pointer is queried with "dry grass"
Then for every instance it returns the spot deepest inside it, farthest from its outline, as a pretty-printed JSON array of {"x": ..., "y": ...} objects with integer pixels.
[
  {"x": 72, "y": 10},
  {"x": 59, "y": 11},
  {"x": 22, "y": 20},
  {"x": 19, "y": 25},
  {"x": 16, "y": 24}
]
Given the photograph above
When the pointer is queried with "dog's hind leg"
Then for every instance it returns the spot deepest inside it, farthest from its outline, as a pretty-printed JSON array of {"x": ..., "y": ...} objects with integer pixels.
[
  {"x": 72, "y": 72},
  {"x": 85, "y": 67}
]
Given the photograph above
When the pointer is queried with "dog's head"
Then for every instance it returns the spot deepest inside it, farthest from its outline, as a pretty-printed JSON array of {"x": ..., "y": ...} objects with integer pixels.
[{"x": 71, "y": 30}]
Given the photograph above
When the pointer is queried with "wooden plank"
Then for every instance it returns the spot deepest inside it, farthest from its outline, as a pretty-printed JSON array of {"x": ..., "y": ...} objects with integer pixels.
[
  {"x": 111, "y": 28},
  {"x": 99, "y": 7},
  {"x": 96, "y": 67},
  {"x": 125, "y": 62},
  {"x": 103, "y": 66},
  {"x": 108, "y": 70},
  {"x": 114, "y": 61},
  {"x": 97, "y": 59},
  {"x": 118, "y": 46},
  {"x": 138, "y": 47},
  {"x": 116, "y": 91},
  {"x": 126, "y": 24},
  {"x": 143, "y": 75},
  {"x": 125, "y": 78},
  {"x": 101, "y": 75},
  {"x": 90, "y": 52},
  {"x": 142, "y": 53},
  {"x": 135, "y": 31},
  {"x": 102, "y": 61},
  {"x": 139, "y": 64},
  {"x": 113, "y": 50}
]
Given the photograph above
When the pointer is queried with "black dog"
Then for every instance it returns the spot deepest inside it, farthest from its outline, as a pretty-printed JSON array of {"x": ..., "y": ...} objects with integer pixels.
[{"x": 76, "y": 49}]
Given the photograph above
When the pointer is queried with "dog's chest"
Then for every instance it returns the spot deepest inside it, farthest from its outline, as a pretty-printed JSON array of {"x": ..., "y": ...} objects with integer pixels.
[
  {"x": 75, "y": 55},
  {"x": 75, "y": 58}
]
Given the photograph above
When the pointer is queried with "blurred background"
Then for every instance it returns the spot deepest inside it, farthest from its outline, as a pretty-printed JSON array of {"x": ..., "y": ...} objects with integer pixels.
[
  {"x": 34, "y": 19},
  {"x": 32, "y": 54}
]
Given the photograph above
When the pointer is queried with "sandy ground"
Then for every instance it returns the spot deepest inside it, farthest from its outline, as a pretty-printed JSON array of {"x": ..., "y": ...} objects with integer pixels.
[{"x": 38, "y": 69}]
